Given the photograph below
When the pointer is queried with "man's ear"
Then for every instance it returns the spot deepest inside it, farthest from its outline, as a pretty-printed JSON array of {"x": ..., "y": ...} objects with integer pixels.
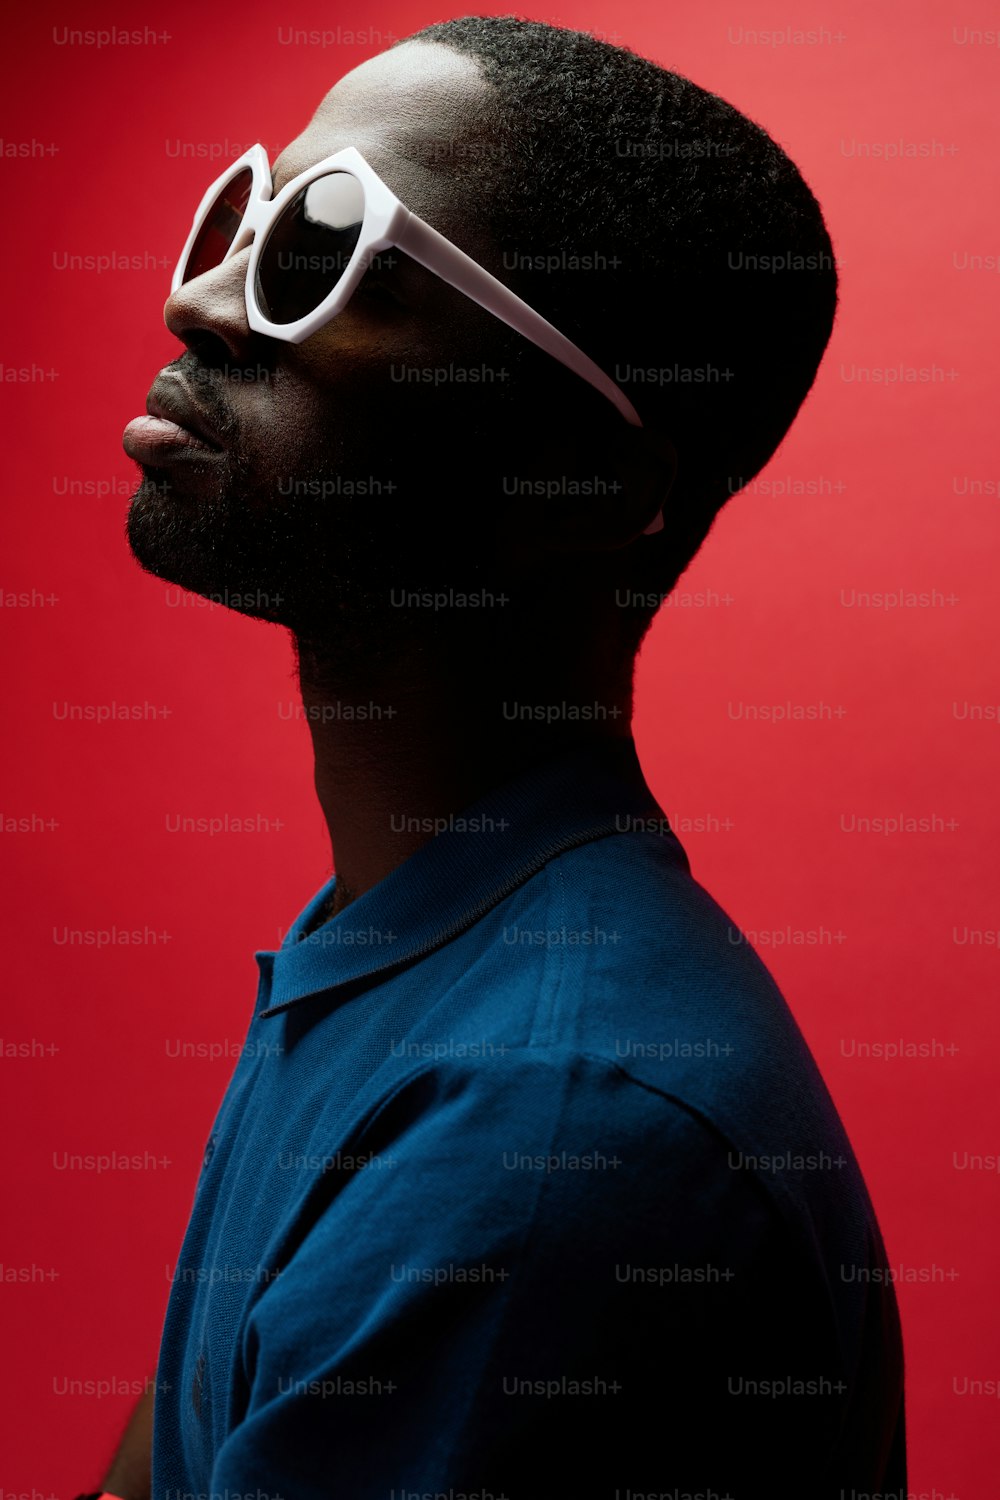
[
  {"x": 647, "y": 459},
  {"x": 603, "y": 494}
]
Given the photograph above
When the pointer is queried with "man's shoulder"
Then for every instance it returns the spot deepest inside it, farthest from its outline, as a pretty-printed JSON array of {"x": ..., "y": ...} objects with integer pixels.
[
  {"x": 567, "y": 1140},
  {"x": 631, "y": 987},
  {"x": 621, "y": 953},
  {"x": 644, "y": 881},
  {"x": 627, "y": 895}
]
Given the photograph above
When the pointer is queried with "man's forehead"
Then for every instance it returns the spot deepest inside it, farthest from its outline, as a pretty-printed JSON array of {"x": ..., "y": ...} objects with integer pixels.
[{"x": 410, "y": 111}]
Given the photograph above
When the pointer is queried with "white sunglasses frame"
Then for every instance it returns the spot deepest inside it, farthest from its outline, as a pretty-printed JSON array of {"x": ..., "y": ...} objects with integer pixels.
[{"x": 387, "y": 222}]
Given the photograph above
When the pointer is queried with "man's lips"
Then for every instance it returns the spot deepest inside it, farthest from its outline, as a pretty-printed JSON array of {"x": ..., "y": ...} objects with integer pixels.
[{"x": 174, "y": 426}]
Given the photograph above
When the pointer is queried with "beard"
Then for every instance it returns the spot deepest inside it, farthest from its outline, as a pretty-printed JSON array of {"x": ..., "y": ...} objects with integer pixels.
[
  {"x": 331, "y": 559},
  {"x": 331, "y": 552},
  {"x": 266, "y": 555}
]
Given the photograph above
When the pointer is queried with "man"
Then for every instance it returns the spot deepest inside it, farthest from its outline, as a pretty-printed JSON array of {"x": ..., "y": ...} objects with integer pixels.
[{"x": 525, "y": 1183}]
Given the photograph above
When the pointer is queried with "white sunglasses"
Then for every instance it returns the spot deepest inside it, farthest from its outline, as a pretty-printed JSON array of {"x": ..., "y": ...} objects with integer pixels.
[{"x": 312, "y": 244}]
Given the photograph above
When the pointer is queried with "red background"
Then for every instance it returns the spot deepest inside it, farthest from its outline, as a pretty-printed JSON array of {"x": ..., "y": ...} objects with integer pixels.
[{"x": 889, "y": 487}]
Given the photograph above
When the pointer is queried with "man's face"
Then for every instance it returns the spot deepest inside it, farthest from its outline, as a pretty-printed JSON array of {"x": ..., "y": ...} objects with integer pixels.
[{"x": 340, "y": 472}]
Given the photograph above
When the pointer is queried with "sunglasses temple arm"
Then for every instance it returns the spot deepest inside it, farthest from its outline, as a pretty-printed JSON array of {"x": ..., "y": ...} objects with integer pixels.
[
  {"x": 446, "y": 260},
  {"x": 424, "y": 244}
]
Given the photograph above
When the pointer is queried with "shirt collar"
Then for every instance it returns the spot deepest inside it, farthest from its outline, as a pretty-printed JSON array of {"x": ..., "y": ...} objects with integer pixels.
[{"x": 483, "y": 854}]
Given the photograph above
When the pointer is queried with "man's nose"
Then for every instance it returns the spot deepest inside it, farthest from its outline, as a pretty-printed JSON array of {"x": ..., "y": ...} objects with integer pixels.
[{"x": 211, "y": 310}]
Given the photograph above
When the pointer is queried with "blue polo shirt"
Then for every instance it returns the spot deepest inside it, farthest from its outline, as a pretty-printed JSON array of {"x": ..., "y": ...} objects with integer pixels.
[{"x": 526, "y": 1184}]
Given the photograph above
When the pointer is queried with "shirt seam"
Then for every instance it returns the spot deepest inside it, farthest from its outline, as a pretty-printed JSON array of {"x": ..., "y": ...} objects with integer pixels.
[{"x": 541, "y": 1030}]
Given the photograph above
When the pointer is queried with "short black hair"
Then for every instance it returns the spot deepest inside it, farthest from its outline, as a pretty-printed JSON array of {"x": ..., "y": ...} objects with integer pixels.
[{"x": 718, "y": 289}]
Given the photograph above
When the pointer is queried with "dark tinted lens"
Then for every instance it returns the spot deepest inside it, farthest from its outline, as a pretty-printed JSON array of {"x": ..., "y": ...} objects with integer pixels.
[
  {"x": 220, "y": 226},
  {"x": 310, "y": 246}
]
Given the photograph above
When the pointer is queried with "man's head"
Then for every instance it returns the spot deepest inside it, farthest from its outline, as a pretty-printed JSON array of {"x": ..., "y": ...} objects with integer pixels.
[{"x": 417, "y": 442}]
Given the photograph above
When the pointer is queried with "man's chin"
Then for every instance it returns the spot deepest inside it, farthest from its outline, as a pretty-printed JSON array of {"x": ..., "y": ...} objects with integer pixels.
[{"x": 194, "y": 548}]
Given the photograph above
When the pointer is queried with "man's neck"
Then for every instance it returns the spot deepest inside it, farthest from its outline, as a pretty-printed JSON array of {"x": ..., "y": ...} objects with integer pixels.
[{"x": 396, "y": 759}]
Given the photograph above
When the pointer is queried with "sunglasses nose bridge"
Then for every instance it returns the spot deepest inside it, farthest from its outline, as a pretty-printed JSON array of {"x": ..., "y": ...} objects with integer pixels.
[
  {"x": 255, "y": 219},
  {"x": 242, "y": 239}
]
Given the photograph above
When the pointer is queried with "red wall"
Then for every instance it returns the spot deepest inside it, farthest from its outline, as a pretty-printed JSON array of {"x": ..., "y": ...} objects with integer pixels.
[{"x": 886, "y": 485}]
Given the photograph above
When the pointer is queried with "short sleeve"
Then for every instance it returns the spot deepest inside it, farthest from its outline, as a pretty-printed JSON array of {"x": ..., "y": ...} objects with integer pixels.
[{"x": 542, "y": 1282}]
